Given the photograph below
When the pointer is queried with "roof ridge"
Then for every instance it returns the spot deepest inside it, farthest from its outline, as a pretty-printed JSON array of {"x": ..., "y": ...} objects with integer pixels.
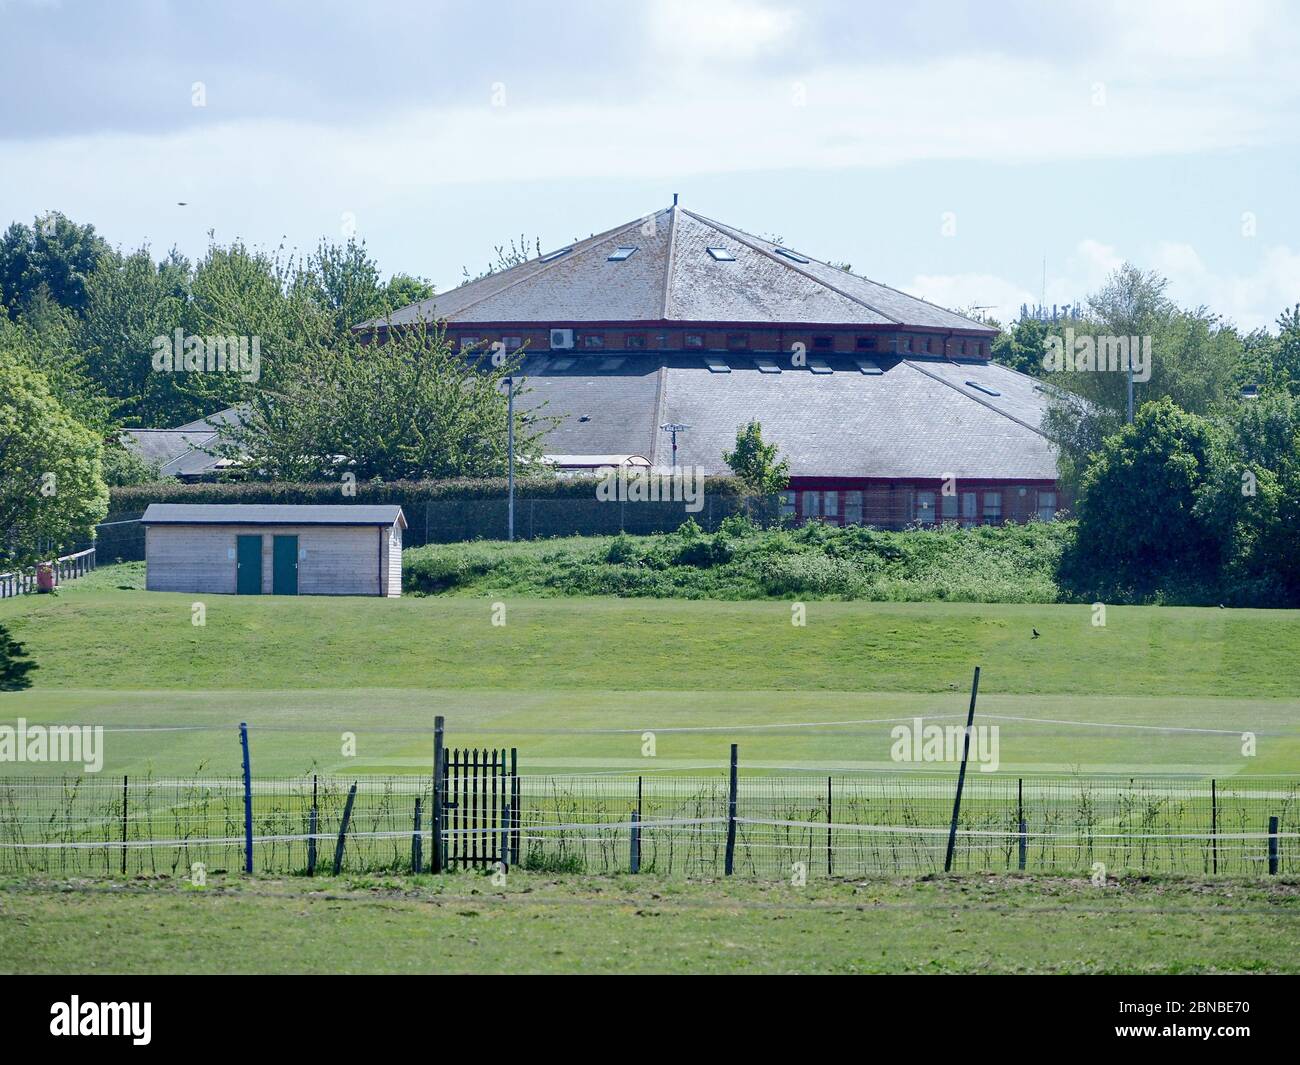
[
  {"x": 668, "y": 259},
  {"x": 750, "y": 241},
  {"x": 977, "y": 399}
]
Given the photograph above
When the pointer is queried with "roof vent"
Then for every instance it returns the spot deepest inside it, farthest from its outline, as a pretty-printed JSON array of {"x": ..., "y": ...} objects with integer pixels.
[
  {"x": 869, "y": 366},
  {"x": 767, "y": 365},
  {"x": 722, "y": 255},
  {"x": 792, "y": 256},
  {"x": 621, "y": 253},
  {"x": 716, "y": 365},
  {"x": 983, "y": 388},
  {"x": 819, "y": 366}
]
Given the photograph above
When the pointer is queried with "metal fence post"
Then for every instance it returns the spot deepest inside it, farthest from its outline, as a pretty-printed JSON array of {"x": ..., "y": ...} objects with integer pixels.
[
  {"x": 1020, "y": 819},
  {"x": 416, "y": 855},
  {"x": 343, "y": 829},
  {"x": 961, "y": 776},
  {"x": 730, "y": 863},
  {"x": 505, "y": 836},
  {"x": 124, "y": 779},
  {"x": 830, "y": 866},
  {"x": 248, "y": 799},
  {"x": 1214, "y": 824},
  {"x": 1272, "y": 846},
  {"x": 439, "y": 799}
]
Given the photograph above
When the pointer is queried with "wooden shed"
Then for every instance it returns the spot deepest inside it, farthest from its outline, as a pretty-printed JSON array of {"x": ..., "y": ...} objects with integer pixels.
[{"x": 257, "y": 549}]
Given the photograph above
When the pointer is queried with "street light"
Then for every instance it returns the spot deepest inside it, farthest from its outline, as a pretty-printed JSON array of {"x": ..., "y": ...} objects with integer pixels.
[
  {"x": 674, "y": 428},
  {"x": 510, "y": 445}
]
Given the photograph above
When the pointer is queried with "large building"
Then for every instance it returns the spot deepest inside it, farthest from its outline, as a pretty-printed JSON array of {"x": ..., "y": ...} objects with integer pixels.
[{"x": 886, "y": 407}]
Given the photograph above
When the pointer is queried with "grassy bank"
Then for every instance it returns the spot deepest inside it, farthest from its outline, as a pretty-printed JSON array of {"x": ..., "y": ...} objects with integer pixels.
[
  {"x": 538, "y": 924},
  {"x": 1009, "y": 564}
]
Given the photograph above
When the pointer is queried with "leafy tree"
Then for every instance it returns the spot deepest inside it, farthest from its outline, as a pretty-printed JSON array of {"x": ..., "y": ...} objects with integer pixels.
[
  {"x": 506, "y": 257},
  {"x": 46, "y": 338},
  {"x": 756, "y": 463},
  {"x": 408, "y": 408},
  {"x": 1194, "y": 361},
  {"x": 1139, "y": 527},
  {"x": 402, "y": 290},
  {"x": 14, "y": 663},
  {"x": 54, "y": 254},
  {"x": 130, "y": 301},
  {"x": 1022, "y": 348},
  {"x": 51, "y": 474}
]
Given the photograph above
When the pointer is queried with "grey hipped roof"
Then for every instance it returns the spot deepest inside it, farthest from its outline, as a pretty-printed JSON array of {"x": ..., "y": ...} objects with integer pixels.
[
  {"x": 271, "y": 514},
  {"x": 673, "y": 277},
  {"x": 915, "y": 419}
]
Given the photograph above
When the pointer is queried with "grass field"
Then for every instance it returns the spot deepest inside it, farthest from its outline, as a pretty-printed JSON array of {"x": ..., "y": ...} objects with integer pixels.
[
  {"x": 1155, "y": 690},
  {"x": 575, "y": 683},
  {"x": 539, "y": 924}
]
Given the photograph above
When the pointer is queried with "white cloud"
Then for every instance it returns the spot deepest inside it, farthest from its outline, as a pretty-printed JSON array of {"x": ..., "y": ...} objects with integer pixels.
[{"x": 727, "y": 31}]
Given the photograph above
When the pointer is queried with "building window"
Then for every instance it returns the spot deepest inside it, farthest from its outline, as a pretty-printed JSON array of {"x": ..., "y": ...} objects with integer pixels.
[
  {"x": 695, "y": 340},
  {"x": 1046, "y": 506},
  {"x": 512, "y": 343},
  {"x": 811, "y": 503},
  {"x": 468, "y": 343},
  {"x": 634, "y": 340},
  {"x": 737, "y": 341},
  {"x": 787, "y": 504},
  {"x": 593, "y": 340},
  {"x": 831, "y": 504},
  {"x": 925, "y": 507},
  {"x": 866, "y": 343},
  {"x": 822, "y": 343},
  {"x": 992, "y": 508},
  {"x": 969, "y": 507},
  {"x": 949, "y": 504},
  {"x": 853, "y": 508},
  {"x": 904, "y": 343}
]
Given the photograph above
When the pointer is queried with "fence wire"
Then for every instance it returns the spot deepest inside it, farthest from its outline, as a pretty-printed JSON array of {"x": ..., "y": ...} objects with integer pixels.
[{"x": 837, "y": 825}]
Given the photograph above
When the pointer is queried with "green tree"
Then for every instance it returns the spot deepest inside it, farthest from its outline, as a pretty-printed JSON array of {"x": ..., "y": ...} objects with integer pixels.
[
  {"x": 1139, "y": 527},
  {"x": 756, "y": 463},
  {"x": 15, "y": 663},
  {"x": 1022, "y": 347},
  {"x": 51, "y": 474},
  {"x": 408, "y": 408},
  {"x": 54, "y": 254}
]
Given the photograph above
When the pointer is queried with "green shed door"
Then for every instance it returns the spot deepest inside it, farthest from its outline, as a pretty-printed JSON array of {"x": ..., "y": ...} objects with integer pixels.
[
  {"x": 284, "y": 566},
  {"x": 248, "y": 565}
]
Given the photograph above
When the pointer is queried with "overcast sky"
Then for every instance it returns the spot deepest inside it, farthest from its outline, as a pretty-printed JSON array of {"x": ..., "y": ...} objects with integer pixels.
[{"x": 944, "y": 148}]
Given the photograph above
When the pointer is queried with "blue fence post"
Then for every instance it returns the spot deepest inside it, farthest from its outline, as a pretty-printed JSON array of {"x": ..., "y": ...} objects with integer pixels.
[{"x": 248, "y": 800}]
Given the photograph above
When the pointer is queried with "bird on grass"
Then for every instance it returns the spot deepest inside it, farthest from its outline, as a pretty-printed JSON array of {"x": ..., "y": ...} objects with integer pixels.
[{"x": 1035, "y": 634}]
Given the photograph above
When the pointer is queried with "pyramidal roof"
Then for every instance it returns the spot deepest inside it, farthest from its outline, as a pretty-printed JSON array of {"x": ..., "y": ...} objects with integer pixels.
[{"x": 683, "y": 267}]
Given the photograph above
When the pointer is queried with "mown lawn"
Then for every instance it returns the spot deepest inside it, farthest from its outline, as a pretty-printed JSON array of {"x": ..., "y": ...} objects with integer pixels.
[
  {"x": 699, "y": 673},
  {"x": 539, "y": 924}
]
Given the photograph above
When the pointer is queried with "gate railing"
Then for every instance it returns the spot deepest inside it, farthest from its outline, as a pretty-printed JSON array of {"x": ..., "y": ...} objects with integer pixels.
[{"x": 480, "y": 797}]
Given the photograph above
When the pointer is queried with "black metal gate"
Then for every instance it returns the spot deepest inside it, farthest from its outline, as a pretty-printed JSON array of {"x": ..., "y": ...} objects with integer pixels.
[{"x": 480, "y": 811}]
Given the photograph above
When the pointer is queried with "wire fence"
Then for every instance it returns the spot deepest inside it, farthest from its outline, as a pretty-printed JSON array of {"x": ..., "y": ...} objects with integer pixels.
[{"x": 835, "y": 825}]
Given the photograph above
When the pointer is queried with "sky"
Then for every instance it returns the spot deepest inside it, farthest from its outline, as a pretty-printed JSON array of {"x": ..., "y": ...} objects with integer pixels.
[{"x": 981, "y": 154}]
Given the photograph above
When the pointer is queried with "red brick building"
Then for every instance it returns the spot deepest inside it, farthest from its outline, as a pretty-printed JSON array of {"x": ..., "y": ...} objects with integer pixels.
[{"x": 886, "y": 407}]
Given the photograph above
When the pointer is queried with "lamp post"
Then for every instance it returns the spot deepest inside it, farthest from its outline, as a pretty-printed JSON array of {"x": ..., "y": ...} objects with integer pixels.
[
  {"x": 510, "y": 445},
  {"x": 674, "y": 428}
]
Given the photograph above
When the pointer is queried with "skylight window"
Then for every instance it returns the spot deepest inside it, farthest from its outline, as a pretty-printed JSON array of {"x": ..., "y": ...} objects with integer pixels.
[
  {"x": 869, "y": 366},
  {"x": 767, "y": 365},
  {"x": 563, "y": 364},
  {"x": 819, "y": 366},
  {"x": 716, "y": 365},
  {"x": 551, "y": 256},
  {"x": 622, "y": 252},
  {"x": 983, "y": 388},
  {"x": 722, "y": 255},
  {"x": 792, "y": 256},
  {"x": 611, "y": 364}
]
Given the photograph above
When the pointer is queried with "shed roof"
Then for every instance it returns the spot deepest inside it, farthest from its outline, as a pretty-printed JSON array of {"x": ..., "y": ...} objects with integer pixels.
[{"x": 271, "y": 514}]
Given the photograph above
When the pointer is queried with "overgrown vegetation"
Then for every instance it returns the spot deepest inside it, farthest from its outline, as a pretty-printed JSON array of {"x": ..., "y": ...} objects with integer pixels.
[{"x": 1007, "y": 564}]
